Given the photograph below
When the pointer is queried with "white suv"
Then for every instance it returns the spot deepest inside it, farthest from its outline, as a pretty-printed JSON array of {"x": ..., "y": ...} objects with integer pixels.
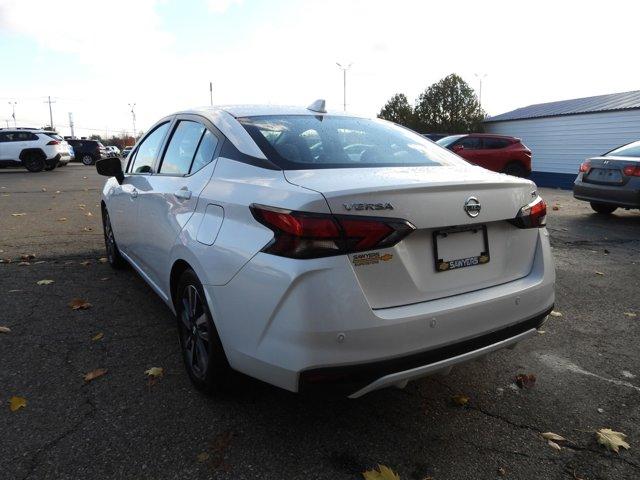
[
  {"x": 317, "y": 250},
  {"x": 34, "y": 149}
]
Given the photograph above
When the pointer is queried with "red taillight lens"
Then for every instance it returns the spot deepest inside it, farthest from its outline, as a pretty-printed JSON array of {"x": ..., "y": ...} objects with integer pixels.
[
  {"x": 54, "y": 142},
  {"x": 585, "y": 166},
  {"x": 533, "y": 215},
  {"x": 313, "y": 235},
  {"x": 632, "y": 170}
]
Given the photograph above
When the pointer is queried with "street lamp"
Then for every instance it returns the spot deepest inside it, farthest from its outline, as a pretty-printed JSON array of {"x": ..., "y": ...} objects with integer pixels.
[
  {"x": 480, "y": 77},
  {"x": 133, "y": 118},
  {"x": 13, "y": 107},
  {"x": 344, "y": 69}
]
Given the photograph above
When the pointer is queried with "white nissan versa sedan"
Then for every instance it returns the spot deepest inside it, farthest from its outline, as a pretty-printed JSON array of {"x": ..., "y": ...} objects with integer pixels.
[{"x": 319, "y": 251}]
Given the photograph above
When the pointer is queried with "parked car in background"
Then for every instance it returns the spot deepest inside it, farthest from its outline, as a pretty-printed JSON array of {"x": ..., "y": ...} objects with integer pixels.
[
  {"x": 32, "y": 148},
  {"x": 611, "y": 180},
  {"x": 88, "y": 151},
  {"x": 112, "y": 151},
  {"x": 126, "y": 151},
  {"x": 498, "y": 153},
  {"x": 245, "y": 226},
  {"x": 435, "y": 136}
]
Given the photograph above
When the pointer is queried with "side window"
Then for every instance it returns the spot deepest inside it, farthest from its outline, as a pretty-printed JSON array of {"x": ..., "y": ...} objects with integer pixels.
[
  {"x": 470, "y": 143},
  {"x": 495, "y": 143},
  {"x": 182, "y": 148},
  {"x": 4, "y": 137},
  {"x": 147, "y": 151},
  {"x": 205, "y": 152}
]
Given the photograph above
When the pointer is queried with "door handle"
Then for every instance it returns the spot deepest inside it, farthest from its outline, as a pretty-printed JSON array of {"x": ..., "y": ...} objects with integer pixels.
[
  {"x": 184, "y": 193},
  {"x": 134, "y": 193}
]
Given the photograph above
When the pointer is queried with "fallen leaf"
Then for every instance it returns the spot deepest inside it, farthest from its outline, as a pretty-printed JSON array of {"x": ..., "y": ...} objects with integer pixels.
[
  {"x": 58, "y": 191},
  {"x": 203, "y": 457},
  {"x": 155, "y": 372},
  {"x": 87, "y": 229},
  {"x": 555, "y": 314},
  {"x": 630, "y": 314},
  {"x": 599, "y": 273},
  {"x": 5, "y": 260},
  {"x": 103, "y": 260},
  {"x": 24, "y": 264},
  {"x": 27, "y": 257},
  {"x": 600, "y": 410},
  {"x": 85, "y": 262},
  {"x": 79, "y": 304},
  {"x": 44, "y": 282},
  {"x": 555, "y": 207},
  {"x": 553, "y": 436},
  {"x": 97, "y": 336},
  {"x": 81, "y": 205},
  {"x": 104, "y": 278},
  {"x": 44, "y": 189},
  {"x": 18, "y": 214},
  {"x": 5, "y": 330},
  {"x": 502, "y": 471},
  {"x": 554, "y": 445},
  {"x": 460, "y": 400},
  {"x": 525, "y": 380},
  {"x": 63, "y": 219},
  {"x": 93, "y": 374},
  {"x": 612, "y": 440},
  {"x": 88, "y": 214},
  {"x": 383, "y": 473},
  {"x": 16, "y": 403}
]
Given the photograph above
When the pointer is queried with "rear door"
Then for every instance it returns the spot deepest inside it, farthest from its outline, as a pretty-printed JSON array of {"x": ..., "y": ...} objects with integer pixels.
[
  {"x": 185, "y": 168},
  {"x": 493, "y": 154},
  {"x": 471, "y": 148}
]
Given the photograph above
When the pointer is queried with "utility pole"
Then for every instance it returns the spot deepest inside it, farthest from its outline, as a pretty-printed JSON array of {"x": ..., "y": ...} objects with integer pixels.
[
  {"x": 71, "y": 124},
  {"x": 344, "y": 69},
  {"x": 480, "y": 76},
  {"x": 13, "y": 106},
  {"x": 211, "y": 93},
  {"x": 6, "y": 120},
  {"x": 133, "y": 118},
  {"x": 50, "y": 112}
]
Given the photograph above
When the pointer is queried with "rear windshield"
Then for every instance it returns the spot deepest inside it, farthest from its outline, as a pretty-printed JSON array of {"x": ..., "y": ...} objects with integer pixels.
[
  {"x": 630, "y": 150},
  {"x": 297, "y": 142}
]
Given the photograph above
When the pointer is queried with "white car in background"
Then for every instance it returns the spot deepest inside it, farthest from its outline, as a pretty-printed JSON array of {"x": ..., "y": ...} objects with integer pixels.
[
  {"x": 291, "y": 256},
  {"x": 33, "y": 148},
  {"x": 112, "y": 151}
]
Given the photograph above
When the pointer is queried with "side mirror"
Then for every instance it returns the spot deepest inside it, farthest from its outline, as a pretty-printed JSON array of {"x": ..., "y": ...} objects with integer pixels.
[
  {"x": 111, "y": 167},
  {"x": 458, "y": 148}
]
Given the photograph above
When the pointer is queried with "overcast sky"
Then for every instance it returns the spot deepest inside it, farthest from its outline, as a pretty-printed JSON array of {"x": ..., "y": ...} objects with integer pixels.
[{"x": 93, "y": 58}]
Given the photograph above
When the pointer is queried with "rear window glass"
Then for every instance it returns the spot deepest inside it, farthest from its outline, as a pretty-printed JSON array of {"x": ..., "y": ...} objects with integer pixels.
[
  {"x": 55, "y": 136},
  {"x": 295, "y": 142},
  {"x": 630, "y": 150},
  {"x": 495, "y": 143}
]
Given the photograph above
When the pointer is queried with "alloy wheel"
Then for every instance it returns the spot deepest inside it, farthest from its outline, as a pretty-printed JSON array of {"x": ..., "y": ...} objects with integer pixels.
[
  {"x": 195, "y": 331},
  {"x": 109, "y": 239},
  {"x": 87, "y": 160}
]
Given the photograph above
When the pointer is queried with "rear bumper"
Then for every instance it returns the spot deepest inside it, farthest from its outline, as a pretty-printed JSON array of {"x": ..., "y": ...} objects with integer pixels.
[
  {"x": 60, "y": 158},
  {"x": 283, "y": 321},
  {"x": 627, "y": 196}
]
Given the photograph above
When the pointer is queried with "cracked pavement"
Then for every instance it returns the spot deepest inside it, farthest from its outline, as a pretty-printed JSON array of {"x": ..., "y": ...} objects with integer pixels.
[{"x": 120, "y": 426}]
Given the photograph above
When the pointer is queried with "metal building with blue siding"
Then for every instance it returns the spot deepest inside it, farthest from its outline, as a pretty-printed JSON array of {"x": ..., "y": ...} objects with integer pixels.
[{"x": 561, "y": 135}]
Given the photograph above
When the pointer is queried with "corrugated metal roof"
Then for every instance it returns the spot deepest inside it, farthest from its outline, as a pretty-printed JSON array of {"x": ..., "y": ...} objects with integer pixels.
[{"x": 600, "y": 103}]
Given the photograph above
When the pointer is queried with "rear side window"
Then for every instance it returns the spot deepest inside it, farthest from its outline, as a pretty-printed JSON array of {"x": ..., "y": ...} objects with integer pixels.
[
  {"x": 182, "y": 148},
  {"x": 630, "y": 150},
  {"x": 495, "y": 143},
  {"x": 297, "y": 142},
  {"x": 470, "y": 143},
  {"x": 148, "y": 150},
  {"x": 205, "y": 152}
]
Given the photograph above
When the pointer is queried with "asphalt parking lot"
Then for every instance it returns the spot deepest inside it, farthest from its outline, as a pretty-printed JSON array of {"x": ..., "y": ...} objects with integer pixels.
[{"x": 121, "y": 425}]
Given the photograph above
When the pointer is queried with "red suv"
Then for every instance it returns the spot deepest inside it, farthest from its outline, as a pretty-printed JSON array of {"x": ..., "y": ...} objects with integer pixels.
[{"x": 493, "y": 152}]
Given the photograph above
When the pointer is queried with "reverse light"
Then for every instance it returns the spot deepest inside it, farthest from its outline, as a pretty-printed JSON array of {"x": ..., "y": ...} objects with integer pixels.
[
  {"x": 313, "y": 235},
  {"x": 532, "y": 215},
  {"x": 631, "y": 170},
  {"x": 585, "y": 166}
]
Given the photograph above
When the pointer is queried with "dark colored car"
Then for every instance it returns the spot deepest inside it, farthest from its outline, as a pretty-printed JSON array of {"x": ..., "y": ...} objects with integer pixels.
[
  {"x": 434, "y": 137},
  {"x": 611, "y": 180},
  {"x": 498, "y": 153},
  {"x": 88, "y": 151}
]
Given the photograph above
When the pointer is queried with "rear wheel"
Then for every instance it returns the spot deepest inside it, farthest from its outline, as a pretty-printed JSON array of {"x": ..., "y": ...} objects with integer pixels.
[
  {"x": 87, "y": 160},
  {"x": 202, "y": 350},
  {"x": 50, "y": 167},
  {"x": 603, "y": 208},
  {"x": 515, "y": 169},
  {"x": 33, "y": 162},
  {"x": 113, "y": 254}
]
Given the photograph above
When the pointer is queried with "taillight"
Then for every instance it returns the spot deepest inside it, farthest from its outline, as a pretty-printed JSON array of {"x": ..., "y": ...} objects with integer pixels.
[
  {"x": 313, "y": 235},
  {"x": 585, "y": 166},
  {"x": 54, "y": 142},
  {"x": 632, "y": 170},
  {"x": 533, "y": 215}
]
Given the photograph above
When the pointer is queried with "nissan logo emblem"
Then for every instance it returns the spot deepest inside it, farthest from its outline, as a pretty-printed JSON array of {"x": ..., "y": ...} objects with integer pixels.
[{"x": 472, "y": 207}]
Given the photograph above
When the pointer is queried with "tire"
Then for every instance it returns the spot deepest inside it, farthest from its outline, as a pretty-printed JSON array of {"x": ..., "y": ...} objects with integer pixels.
[
  {"x": 515, "y": 169},
  {"x": 87, "y": 160},
  {"x": 48, "y": 168},
  {"x": 33, "y": 162},
  {"x": 114, "y": 258},
  {"x": 202, "y": 350},
  {"x": 603, "y": 208}
]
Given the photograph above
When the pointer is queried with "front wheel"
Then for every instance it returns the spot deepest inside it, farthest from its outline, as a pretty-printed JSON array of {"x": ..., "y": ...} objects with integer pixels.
[
  {"x": 50, "y": 167},
  {"x": 87, "y": 160},
  {"x": 114, "y": 258},
  {"x": 202, "y": 351},
  {"x": 603, "y": 208}
]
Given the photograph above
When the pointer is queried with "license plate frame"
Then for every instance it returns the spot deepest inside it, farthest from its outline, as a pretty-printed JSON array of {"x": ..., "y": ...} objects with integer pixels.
[
  {"x": 445, "y": 265},
  {"x": 605, "y": 176}
]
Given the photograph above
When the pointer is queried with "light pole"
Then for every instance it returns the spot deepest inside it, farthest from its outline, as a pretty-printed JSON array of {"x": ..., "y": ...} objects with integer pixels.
[
  {"x": 211, "y": 93},
  {"x": 13, "y": 107},
  {"x": 480, "y": 77},
  {"x": 344, "y": 69},
  {"x": 133, "y": 118}
]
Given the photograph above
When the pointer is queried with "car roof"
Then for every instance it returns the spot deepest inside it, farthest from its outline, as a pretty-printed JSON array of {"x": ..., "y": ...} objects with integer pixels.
[
  {"x": 491, "y": 135},
  {"x": 239, "y": 111}
]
